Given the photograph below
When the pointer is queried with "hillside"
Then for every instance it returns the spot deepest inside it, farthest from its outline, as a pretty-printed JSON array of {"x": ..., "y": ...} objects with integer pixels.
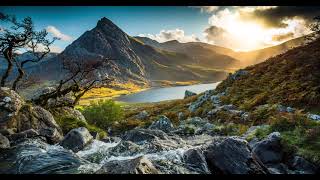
[
  {"x": 217, "y": 52},
  {"x": 292, "y": 78}
]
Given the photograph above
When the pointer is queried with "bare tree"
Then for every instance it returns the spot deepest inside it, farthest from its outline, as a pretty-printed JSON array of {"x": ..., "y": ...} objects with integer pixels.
[
  {"x": 81, "y": 77},
  {"x": 21, "y": 36}
]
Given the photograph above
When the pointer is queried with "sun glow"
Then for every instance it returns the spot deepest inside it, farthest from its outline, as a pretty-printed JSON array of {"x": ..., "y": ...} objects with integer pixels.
[{"x": 249, "y": 34}]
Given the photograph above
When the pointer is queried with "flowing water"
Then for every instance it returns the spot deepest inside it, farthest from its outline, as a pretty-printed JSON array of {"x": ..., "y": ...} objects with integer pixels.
[
  {"x": 162, "y": 94},
  {"x": 35, "y": 156}
]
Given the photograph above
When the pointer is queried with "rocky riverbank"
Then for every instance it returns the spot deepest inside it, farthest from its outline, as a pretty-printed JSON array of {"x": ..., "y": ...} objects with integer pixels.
[{"x": 32, "y": 142}]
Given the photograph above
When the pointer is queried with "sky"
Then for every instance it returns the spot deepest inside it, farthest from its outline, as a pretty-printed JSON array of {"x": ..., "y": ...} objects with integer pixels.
[{"x": 238, "y": 28}]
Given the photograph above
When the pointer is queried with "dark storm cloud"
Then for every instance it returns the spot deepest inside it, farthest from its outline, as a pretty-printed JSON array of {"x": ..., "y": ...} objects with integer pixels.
[{"x": 273, "y": 17}]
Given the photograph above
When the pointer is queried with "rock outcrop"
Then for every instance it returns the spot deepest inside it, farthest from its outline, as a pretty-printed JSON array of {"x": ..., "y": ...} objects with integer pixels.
[
  {"x": 201, "y": 99},
  {"x": 231, "y": 156},
  {"x": 269, "y": 151},
  {"x": 22, "y": 117},
  {"x": 163, "y": 123}
]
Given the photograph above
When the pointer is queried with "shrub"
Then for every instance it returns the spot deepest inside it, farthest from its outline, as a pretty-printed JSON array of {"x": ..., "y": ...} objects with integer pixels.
[
  {"x": 103, "y": 113},
  {"x": 68, "y": 123}
]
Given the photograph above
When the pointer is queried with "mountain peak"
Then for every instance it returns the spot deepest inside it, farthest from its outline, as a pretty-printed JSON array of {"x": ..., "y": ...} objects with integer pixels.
[{"x": 103, "y": 22}]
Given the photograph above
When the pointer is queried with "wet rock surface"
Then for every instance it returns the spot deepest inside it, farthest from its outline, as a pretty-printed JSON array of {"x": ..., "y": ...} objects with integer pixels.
[
  {"x": 76, "y": 139},
  {"x": 140, "y": 165},
  {"x": 231, "y": 156}
]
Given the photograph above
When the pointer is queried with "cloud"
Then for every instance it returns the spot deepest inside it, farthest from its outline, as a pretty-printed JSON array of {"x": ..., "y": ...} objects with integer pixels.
[
  {"x": 168, "y": 35},
  {"x": 207, "y": 9},
  {"x": 57, "y": 33},
  {"x": 275, "y": 16},
  {"x": 53, "y": 48},
  {"x": 241, "y": 28}
]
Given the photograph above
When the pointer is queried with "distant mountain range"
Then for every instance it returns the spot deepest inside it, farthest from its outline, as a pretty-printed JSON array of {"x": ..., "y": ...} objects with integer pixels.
[{"x": 143, "y": 60}]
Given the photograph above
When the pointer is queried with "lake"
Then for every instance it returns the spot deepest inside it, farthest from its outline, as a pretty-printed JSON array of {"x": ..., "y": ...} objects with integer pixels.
[{"x": 163, "y": 94}]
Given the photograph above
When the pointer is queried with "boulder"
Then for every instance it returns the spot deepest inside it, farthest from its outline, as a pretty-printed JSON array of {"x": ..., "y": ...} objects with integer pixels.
[
  {"x": 47, "y": 125},
  {"x": 7, "y": 132},
  {"x": 142, "y": 115},
  {"x": 143, "y": 135},
  {"x": 231, "y": 156},
  {"x": 302, "y": 166},
  {"x": 40, "y": 120},
  {"x": 4, "y": 142},
  {"x": 188, "y": 93},
  {"x": 202, "y": 99},
  {"x": 195, "y": 124},
  {"x": 76, "y": 139},
  {"x": 269, "y": 150},
  {"x": 30, "y": 133},
  {"x": 163, "y": 123},
  {"x": 314, "y": 117},
  {"x": 196, "y": 160},
  {"x": 139, "y": 165},
  {"x": 10, "y": 104}
]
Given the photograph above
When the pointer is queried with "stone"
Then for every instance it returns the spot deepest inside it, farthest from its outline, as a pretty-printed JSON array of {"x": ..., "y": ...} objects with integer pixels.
[
  {"x": 279, "y": 168},
  {"x": 202, "y": 99},
  {"x": 10, "y": 104},
  {"x": 228, "y": 107},
  {"x": 302, "y": 166},
  {"x": 4, "y": 142},
  {"x": 76, "y": 139},
  {"x": 269, "y": 150},
  {"x": 196, "y": 160},
  {"x": 144, "y": 135},
  {"x": 30, "y": 133},
  {"x": 314, "y": 117},
  {"x": 188, "y": 93},
  {"x": 181, "y": 116},
  {"x": 231, "y": 155},
  {"x": 282, "y": 108},
  {"x": 213, "y": 112},
  {"x": 215, "y": 99},
  {"x": 139, "y": 165},
  {"x": 143, "y": 115},
  {"x": 7, "y": 132},
  {"x": 163, "y": 123}
]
